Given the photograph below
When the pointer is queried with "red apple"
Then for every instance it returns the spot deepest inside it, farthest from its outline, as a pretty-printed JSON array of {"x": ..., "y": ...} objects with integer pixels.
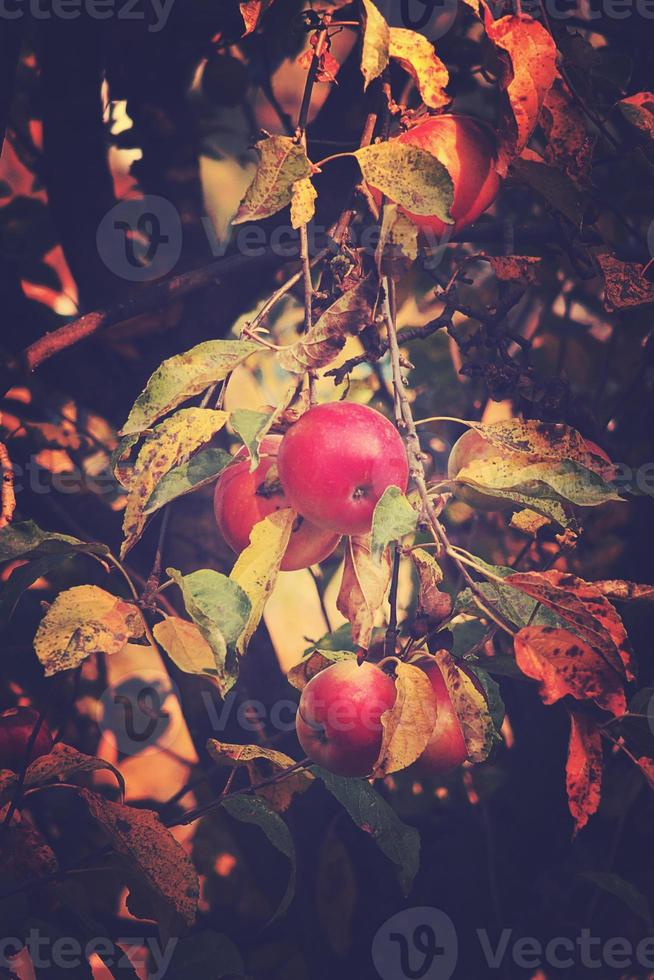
[
  {"x": 242, "y": 499},
  {"x": 446, "y": 749},
  {"x": 466, "y": 148},
  {"x": 336, "y": 462},
  {"x": 339, "y": 718},
  {"x": 16, "y": 727}
]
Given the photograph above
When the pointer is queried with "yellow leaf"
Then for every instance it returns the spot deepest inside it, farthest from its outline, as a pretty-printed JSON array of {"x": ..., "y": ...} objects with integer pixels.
[
  {"x": 363, "y": 587},
  {"x": 416, "y": 54},
  {"x": 257, "y": 567},
  {"x": 408, "y": 725},
  {"x": 282, "y": 162},
  {"x": 81, "y": 621},
  {"x": 528, "y": 521},
  {"x": 303, "y": 202},
  {"x": 186, "y": 646},
  {"x": 168, "y": 443},
  {"x": 376, "y": 40},
  {"x": 470, "y": 707}
]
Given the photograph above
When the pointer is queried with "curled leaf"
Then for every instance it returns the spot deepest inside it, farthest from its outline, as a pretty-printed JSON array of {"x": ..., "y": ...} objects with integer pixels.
[
  {"x": 303, "y": 202},
  {"x": 416, "y": 54},
  {"x": 376, "y": 41},
  {"x": 408, "y": 725},
  {"x": 282, "y": 162},
  {"x": 470, "y": 707},
  {"x": 257, "y": 567},
  {"x": 583, "y": 772},
  {"x": 363, "y": 587}
]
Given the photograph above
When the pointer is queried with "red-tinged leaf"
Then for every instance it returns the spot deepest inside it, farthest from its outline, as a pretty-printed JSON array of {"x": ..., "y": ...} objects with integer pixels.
[
  {"x": 595, "y": 620},
  {"x": 569, "y": 145},
  {"x": 533, "y": 57},
  {"x": 514, "y": 268},
  {"x": 647, "y": 769},
  {"x": 625, "y": 284},
  {"x": 620, "y": 591},
  {"x": 252, "y": 11},
  {"x": 583, "y": 771},
  {"x": 638, "y": 110},
  {"x": 565, "y": 665}
]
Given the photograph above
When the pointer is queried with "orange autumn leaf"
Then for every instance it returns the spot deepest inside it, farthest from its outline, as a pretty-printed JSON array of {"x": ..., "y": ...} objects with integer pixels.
[
  {"x": 582, "y": 605},
  {"x": 625, "y": 284},
  {"x": 565, "y": 665},
  {"x": 583, "y": 771},
  {"x": 533, "y": 58}
]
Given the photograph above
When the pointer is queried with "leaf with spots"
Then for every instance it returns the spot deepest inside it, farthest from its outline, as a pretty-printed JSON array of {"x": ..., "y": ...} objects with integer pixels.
[
  {"x": 187, "y": 647},
  {"x": 408, "y": 175},
  {"x": 254, "y": 810},
  {"x": 638, "y": 110},
  {"x": 150, "y": 850},
  {"x": 565, "y": 665},
  {"x": 182, "y": 377},
  {"x": 590, "y": 613},
  {"x": 543, "y": 440},
  {"x": 282, "y": 162},
  {"x": 363, "y": 587},
  {"x": 347, "y": 315},
  {"x": 409, "y": 723},
  {"x": 533, "y": 56},
  {"x": 252, "y": 11},
  {"x": 261, "y": 763},
  {"x": 82, "y": 621},
  {"x": 398, "y": 242},
  {"x": 431, "y": 600},
  {"x": 164, "y": 448},
  {"x": 393, "y": 519},
  {"x": 303, "y": 202},
  {"x": 396, "y": 840},
  {"x": 376, "y": 41},
  {"x": 470, "y": 707},
  {"x": 317, "y": 660},
  {"x": 569, "y": 145},
  {"x": 62, "y": 764},
  {"x": 415, "y": 53},
  {"x": 617, "y": 590},
  {"x": 25, "y": 539},
  {"x": 625, "y": 284},
  {"x": 583, "y": 772},
  {"x": 257, "y": 567}
]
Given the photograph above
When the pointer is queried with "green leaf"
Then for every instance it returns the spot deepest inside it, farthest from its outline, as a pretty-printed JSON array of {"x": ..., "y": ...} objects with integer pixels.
[
  {"x": 81, "y": 621},
  {"x": 339, "y": 640},
  {"x": 282, "y": 161},
  {"x": 254, "y": 810},
  {"x": 193, "y": 953},
  {"x": 399, "y": 842},
  {"x": 202, "y": 469},
  {"x": 376, "y": 40},
  {"x": 183, "y": 376},
  {"x": 491, "y": 690},
  {"x": 623, "y": 890},
  {"x": 220, "y": 608},
  {"x": 26, "y": 539},
  {"x": 514, "y": 605},
  {"x": 408, "y": 175},
  {"x": 394, "y": 517},
  {"x": 251, "y": 427},
  {"x": 165, "y": 447}
]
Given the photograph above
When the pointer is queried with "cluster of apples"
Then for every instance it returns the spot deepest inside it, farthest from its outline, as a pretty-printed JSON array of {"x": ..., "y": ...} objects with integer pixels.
[{"x": 332, "y": 467}]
